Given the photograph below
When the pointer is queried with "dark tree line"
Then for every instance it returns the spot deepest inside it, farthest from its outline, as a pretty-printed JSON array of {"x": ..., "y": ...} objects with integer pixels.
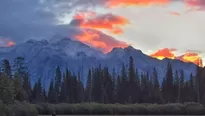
[{"x": 102, "y": 86}]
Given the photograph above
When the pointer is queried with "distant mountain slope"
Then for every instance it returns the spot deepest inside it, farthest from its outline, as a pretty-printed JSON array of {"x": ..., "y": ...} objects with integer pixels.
[{"x": 43, "y": 57}]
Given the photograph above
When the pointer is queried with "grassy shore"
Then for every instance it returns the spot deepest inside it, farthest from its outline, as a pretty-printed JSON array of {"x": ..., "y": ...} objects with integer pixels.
[
  {"x": 119, "y": 109},
  {"x": 25, "y": 109}
]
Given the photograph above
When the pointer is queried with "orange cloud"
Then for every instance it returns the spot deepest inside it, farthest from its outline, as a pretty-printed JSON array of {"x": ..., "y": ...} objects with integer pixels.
[
  {"x": 191, "y": 57},
  {"x": 114, "y": 3},
  {"x": 109, "y": 22},
  {"x": 164, "y": 53},
  {"x": 175, "y": 13},
  {"x": 6, "y": 42},
  {"x": 99, "y": 40}
]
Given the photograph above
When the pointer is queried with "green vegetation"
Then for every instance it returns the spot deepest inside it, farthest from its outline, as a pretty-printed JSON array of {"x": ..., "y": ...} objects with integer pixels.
[
  {"x": 103, "y": 93},
  {"x": 26, "y": 109}
]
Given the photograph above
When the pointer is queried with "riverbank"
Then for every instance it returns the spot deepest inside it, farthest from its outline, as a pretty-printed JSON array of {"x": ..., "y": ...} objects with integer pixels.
[
  {"x": 43, "y": 109},
  {"x": 119, "y": 109}
]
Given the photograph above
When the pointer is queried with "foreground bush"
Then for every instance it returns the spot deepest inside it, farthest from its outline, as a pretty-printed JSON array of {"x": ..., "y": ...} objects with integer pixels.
[
  {"x": 26, "y": 109},
  {"x": 18, "y": 109},
  {"x": 117, "y": 109}
]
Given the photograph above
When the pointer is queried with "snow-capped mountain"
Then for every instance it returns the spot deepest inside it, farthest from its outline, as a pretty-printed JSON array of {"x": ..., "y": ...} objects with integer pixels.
[{"x": 42, "y": 58}]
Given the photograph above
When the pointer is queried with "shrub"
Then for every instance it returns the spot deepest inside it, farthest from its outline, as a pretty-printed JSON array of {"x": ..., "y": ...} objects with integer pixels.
[
  {"x": 3, "y": 109},
  {"x": 24, "y": 109},
  {"x": 120, "y": 109},
  {"x": 45, "y": 108},
  {"x": 194, "y": 108}
]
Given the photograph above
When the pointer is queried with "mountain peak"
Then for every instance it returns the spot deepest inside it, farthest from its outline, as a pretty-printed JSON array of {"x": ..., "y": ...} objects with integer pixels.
[
  {"x": 116, "y": 49},
  {"x": 129, "y": 47},
  {"x": 132, "y": 49},
  {"x": 43, "y": 42}
]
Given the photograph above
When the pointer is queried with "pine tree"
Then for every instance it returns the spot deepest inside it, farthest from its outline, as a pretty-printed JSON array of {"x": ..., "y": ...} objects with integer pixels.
[
  {"x": 176, "y": 86},
  {"x": 192, "y": 92},
  {"x": 18, "y": 82},
  {"x": 181, "y": 86},
  {"x": 80, "y": 90},
  {"x": 169, "y": 84},
  {"x": 156, "y": 88},
  {"x": 74, "y": 89},
  {"x": 89, "y": 87},
  {"x": 27, "y": 87},
  {"x": 132, "y": 85},
  {"x": 20, "y": 67},
  {"x": 57, "y": 84},
  {"x": 39, "y": 91},
  {"x": 124, "y": 83},
  {"x": 34, "y": 93},
  {"x": 62, "y": 97},
  {"x": 114, "y": 80},
  {"x": 21, "y": 70},
  {"x": 198, "y": 83},
  {"x": 164, "y": 90},
  {"x": 118, "y": 89},
  {"x": 138, "y": 89},
  {"x": 51, "y": 92},
  {"x": 6, "y": 68},
  {"x": 68, "y": 86},
  {"x": 98, "y": 87},
  {"x": 7, "y": 92}
]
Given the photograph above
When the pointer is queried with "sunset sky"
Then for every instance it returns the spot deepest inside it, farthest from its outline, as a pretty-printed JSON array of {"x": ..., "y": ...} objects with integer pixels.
[{"x": 148, "y": 25}]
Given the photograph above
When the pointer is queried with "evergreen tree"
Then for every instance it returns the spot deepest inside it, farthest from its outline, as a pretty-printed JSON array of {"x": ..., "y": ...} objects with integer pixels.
[
  {"x": 62, "y": 97},
  {"x": 51, "y": 92},
  {"x": 156, "y": 88},
  {"x": 181, "y": 87},
  {"x": 19, "y": 91},
  {"x": 107, "y": 87},
  {"x": 34, "y": 93},
  {"x": 114, "y": 80},
  {"x": 176, "y": 86},
  {"x": 21, "y": 70},
  {"x": 97, "y": 87},
  {"x": 7, "y": 93},
  {"x": 80, "y": 90},
  {"x": 39, "y": 92},
  {"x": 132, "y": 83},
  {"x": 20, "y": 67},
  {"x": 89, "y": 87},
  {"x": 191, "y": 91},
  {"x": 6, "y": 68},
  {"x": 118, "y": 89},
  {"x": 57, "y": 84},
  {"x": 138, "y": 89},
  {"x": 198, "y": 83},
  {"x": 169, "y": 84},
  {"x": 124, "y": 83}
]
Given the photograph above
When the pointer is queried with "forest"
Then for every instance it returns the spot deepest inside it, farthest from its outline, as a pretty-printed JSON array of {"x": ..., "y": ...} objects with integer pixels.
[{"x": 108, "y": 90}]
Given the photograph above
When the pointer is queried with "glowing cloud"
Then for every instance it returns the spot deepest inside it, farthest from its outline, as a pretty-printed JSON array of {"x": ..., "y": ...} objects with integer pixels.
[
  {"x": 99, "y": 40},
  {"x": 189, "y": 57},
  {"x": 192, "y": 58},
  {"x": 164, "y": 53},
  {"x": 6, "y": 42},
  {"x": 109, "y": 22},
  {"x": 115, "y": 3}
]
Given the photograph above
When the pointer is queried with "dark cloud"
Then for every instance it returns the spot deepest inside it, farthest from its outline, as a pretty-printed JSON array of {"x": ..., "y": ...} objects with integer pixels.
[{"x": 24, "y": 19}]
